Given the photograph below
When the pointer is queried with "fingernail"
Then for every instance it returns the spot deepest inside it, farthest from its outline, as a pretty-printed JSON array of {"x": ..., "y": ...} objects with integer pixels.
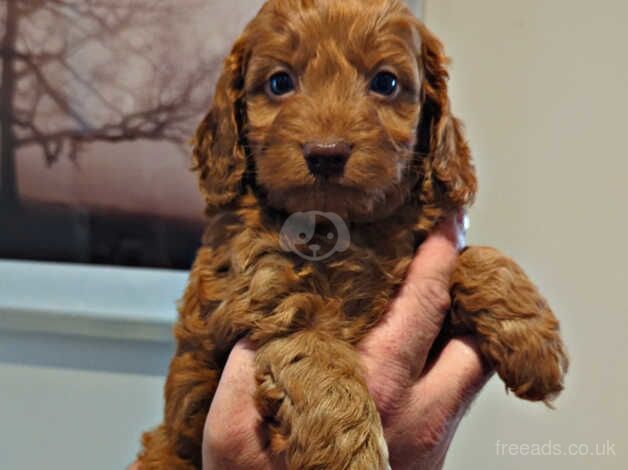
[
  {"x": 462, "y": 225},
  {"x": 464, "y": 220}
]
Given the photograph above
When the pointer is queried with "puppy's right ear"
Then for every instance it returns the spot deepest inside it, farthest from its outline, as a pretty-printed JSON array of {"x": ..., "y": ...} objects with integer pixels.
[
  {"x": 451, "y": 176},
  {"x": 219, "y": 154}
]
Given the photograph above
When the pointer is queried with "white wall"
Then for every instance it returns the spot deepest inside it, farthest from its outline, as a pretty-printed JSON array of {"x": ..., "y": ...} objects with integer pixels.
[
  {"x": 83, "y": 353},
  {"x": 70, "y": 402},
  {"x": 543, "y": 88},
  {"x": 64, "y": 419}
]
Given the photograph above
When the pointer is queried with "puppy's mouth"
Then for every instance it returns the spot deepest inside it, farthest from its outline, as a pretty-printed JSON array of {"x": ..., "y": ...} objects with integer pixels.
[{"x": 326, "y": 195}]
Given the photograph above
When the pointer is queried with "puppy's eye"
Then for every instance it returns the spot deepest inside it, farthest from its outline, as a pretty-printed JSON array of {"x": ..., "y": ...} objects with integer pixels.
[
  {"x": 385, "y": 83},
  {"x": 280, "y": 84}
]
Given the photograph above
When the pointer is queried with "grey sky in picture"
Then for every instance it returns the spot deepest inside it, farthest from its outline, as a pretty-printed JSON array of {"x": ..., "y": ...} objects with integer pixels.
[{"x": 80, "y": 76}]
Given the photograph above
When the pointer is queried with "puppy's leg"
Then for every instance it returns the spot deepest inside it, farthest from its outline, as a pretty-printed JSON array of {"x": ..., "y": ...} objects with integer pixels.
[
  {"x": 517, "y": 332},
  {"x": 190, "y": 387},
  {"x": 159, "y": 453},
  {"x": 316, "y": 405}
]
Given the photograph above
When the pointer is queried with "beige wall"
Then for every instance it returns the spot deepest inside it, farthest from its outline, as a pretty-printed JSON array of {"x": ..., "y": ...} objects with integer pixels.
[{"x": 543, "y": 88}]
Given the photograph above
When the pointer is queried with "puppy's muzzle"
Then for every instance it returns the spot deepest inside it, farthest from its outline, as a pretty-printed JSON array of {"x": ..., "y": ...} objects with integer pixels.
[{"x": 326, "y": 160}]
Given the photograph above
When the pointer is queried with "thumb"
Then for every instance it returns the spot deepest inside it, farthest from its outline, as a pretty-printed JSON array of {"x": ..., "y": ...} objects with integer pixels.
[{"x": 395, "y": 351}]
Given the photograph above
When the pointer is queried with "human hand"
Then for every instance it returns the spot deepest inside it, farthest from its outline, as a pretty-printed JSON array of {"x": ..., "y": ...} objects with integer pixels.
[{"x": 420, "y": 404}]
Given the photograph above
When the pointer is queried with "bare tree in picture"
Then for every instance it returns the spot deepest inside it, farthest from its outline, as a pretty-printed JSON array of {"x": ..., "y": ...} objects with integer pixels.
[{"x": 76, "y": 72}]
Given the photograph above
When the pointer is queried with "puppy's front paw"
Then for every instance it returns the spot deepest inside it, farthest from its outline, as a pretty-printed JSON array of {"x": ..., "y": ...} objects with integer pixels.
[
  {"x": 270, "y": 397},
  {"x": 527, "y": 354},
  {"x": 518, "y": 333},
  {"x": 316, "y": 407}
]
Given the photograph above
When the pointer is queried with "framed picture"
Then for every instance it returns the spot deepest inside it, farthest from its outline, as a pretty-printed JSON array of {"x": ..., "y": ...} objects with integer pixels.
[{"x": 99, "y": 101}]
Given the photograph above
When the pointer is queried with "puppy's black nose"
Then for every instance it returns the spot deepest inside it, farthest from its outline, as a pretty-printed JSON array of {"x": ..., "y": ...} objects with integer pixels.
[{"x": 326, "y": 159}]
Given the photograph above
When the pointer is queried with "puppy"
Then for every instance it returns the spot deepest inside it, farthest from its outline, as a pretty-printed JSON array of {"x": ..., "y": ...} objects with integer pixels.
[{"x": 336, "y": 111}]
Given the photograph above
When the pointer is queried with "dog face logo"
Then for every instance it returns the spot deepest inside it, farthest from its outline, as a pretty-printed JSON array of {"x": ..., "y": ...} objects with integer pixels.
[{"x": 314, "y": 235}]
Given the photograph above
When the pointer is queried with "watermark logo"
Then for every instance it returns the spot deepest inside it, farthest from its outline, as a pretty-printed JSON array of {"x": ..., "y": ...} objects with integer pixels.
[
  {"x": 549, "y": 448},
  {"x": 314, "y": 235}
]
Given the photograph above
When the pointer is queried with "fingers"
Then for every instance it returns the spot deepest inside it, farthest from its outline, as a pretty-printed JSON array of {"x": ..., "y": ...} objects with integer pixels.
[
  {"x": 230, "y": 437},
  {"x": 434, "y": 406},
  {"x": 396, "y": 350}
]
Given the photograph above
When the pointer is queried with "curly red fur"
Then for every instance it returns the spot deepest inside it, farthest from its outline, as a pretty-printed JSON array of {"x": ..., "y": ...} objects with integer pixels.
[
  {"x": 410, "y": 166},
  {"x": 495, "y": 300}
]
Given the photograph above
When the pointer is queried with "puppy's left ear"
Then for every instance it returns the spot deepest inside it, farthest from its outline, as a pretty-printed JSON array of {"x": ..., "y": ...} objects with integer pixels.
[
  {"x": 450, "y": 174},
  {"x": 219, "y": 153}
]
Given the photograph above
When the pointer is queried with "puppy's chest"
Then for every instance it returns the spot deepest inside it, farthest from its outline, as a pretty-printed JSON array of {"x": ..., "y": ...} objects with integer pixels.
[
  {"x": 260, "y": 278},
  {"x": 342, "y": 283},
  {"x": 373, "y": 265}
]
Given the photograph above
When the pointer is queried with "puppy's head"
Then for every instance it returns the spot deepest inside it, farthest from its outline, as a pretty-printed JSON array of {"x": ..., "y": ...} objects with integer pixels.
[{"x": 338, "y": 107}]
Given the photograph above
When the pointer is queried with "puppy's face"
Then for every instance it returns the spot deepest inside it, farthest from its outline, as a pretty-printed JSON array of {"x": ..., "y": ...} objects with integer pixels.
[{"x": 334, "y": 106}]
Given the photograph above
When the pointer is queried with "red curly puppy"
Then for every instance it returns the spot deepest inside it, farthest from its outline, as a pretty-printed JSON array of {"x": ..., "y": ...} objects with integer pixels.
[{"x": 331, "y": 132}]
